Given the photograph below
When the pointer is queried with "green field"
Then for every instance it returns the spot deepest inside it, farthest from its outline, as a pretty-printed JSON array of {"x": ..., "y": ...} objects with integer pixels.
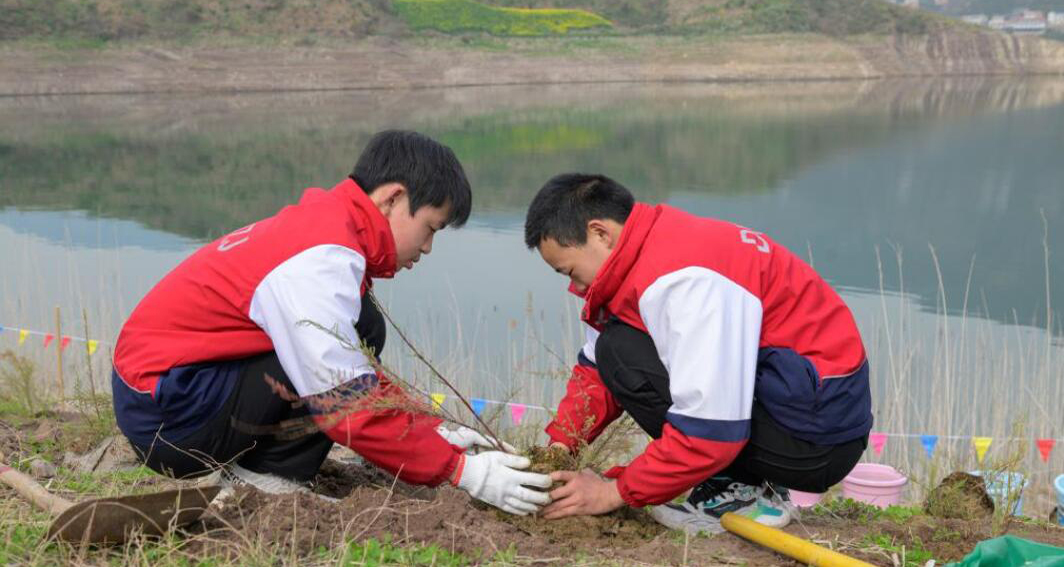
[{"x": 469, "y": 16}]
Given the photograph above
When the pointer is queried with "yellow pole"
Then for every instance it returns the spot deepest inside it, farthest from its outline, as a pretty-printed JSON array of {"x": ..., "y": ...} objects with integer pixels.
[
  {"x": 806, "y": 552},
  {"x": 59, "y": 354}
]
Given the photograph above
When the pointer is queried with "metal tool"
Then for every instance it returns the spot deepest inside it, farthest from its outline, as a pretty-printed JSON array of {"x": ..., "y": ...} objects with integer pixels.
[{"x": 112, "y": 520}]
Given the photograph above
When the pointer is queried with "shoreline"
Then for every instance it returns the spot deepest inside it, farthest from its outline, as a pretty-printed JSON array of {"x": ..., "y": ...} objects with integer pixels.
[{"x": 382, "y": 63}]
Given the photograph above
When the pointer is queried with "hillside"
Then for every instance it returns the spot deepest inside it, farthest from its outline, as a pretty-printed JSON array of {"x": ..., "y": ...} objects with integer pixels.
[{"x": 302, "y": 20}]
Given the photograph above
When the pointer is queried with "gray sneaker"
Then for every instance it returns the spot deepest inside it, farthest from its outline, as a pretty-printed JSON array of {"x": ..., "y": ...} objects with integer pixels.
[{"x": 716, "y": 496}]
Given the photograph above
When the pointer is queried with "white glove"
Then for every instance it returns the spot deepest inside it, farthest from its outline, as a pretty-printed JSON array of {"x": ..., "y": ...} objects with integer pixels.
[
  {"x": 493, "y": 477},
  {"x": 465, "y": 438}
]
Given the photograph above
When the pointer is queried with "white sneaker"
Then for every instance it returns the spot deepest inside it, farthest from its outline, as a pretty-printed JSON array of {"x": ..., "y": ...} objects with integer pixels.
[
  {"x": 236, "y": 475},
  {"x": 716, "y": 496}
]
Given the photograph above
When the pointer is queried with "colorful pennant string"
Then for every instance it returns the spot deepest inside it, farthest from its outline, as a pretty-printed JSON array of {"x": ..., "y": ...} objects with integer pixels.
[
  {"x": 929, "y": 442},
  {"x": 517, "y": 411},
  {"x": 1045, "y": 447},
  {"x": 878, "y": 440},
  {"x": 981, "y": 445},
  {"x": 92, "y": 345}
]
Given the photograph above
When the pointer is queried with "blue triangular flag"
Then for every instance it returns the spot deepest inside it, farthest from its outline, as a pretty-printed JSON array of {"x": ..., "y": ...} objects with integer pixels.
[
  {"x": 478, "y": 405},
  {"x": 929, "y": 442}
]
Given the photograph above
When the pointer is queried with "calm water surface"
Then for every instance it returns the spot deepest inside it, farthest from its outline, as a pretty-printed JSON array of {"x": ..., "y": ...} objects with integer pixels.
[{"x": 913, "y": 198}]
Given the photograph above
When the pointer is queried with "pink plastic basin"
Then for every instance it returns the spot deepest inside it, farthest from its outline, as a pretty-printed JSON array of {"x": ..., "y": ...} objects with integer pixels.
[
  {"x": 879, "y": 485},
  {"x": 805, "y": 499}
]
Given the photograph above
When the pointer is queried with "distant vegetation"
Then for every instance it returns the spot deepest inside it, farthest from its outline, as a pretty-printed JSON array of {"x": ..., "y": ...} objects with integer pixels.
[
  {"x": 108, "y": 20},
  {"x": 470, "y": 16}
]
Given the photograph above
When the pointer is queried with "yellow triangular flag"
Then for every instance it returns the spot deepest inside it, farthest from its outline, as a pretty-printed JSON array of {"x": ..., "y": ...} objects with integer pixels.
[
  {"x": 437, "y": 401},
  {"x": 22, "y": 334},
  {"x": 981, "y": 445},
  {"x": 92, "y": 346}
]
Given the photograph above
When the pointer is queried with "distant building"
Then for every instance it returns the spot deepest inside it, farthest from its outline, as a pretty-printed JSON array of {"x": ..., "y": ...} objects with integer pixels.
[
  {"x": 997, "y": 22},
  {"x": 977, "y": 19},
  {"x": 1026, "y": 21},
  {"x": 1055, "y": 19}
]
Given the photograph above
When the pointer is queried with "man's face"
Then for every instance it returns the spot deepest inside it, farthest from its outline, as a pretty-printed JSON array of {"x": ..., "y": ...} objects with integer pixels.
[
  {"x": 413, "y": 234},
  {"x": 580, "y": 263}
]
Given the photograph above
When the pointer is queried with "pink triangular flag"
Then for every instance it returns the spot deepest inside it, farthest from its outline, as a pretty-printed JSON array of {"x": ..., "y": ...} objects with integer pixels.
[
  {"x": 1045, "y": 446},
  {"x": 48, "y": 339},
  {"x": 63, "y": 342},
  {"x": 516, "y": 412},
  {"x": 878, "y": 440}
]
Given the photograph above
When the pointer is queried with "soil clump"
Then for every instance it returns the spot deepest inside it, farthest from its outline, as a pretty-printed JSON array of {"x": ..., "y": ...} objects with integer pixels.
[
  {"x": 959, "y": 495},
  {"x": 624, "y": 525}
]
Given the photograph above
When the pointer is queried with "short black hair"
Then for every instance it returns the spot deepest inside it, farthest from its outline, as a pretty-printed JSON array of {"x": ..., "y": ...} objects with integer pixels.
[
  {"x": 428, "y": 169},
  {"x": 563, "y": 207}
]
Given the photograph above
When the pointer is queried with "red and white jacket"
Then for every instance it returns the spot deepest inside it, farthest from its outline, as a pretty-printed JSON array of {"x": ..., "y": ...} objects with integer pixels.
[
  {"x": 246, "y": 294},
  {"x": 734, "y": 316}
]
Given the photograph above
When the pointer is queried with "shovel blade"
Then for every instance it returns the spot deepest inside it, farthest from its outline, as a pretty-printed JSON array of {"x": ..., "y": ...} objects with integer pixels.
[{"x": 113, "y": 520}]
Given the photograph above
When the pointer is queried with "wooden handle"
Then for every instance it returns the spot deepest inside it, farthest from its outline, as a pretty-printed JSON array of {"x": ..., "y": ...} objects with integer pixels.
[{"x": 32, "y": 490}]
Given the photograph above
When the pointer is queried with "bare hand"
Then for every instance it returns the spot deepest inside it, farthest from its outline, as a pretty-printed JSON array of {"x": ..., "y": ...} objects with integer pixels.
[{"x": 584, "y": 493}]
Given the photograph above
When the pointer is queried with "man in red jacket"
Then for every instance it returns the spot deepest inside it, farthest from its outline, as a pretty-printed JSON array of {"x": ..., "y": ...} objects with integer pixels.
[
  {"x": 742, "y": 364},
  {"x": 239, "y": 342}
]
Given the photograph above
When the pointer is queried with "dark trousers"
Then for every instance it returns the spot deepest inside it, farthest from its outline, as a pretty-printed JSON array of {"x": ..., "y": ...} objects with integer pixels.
[
  {"x": 256, "y": 427},
  {"x": 630, "y": 367}
]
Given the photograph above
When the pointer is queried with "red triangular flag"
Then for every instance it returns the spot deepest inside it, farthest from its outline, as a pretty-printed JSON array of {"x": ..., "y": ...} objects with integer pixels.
[
  {"x": 63, "y": 342},
  {"x": 1045, "y": 446},
  {"x": 48, "y": 339}
]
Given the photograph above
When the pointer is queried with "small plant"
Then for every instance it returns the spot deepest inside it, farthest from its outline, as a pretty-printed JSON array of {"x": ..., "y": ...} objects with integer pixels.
[
  {"x": 371, "y": 553},
  {"x": 17, "y": 383},
  {"x": 912, "y": 555}
]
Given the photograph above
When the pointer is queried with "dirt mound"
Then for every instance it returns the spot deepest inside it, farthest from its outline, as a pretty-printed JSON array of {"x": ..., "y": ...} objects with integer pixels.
[
  {"x": 373, "y": 505},
  {"x": 626, "y": 525},
  {"x": 959, "y": 495},
  {"x": 303, "y": 523}
]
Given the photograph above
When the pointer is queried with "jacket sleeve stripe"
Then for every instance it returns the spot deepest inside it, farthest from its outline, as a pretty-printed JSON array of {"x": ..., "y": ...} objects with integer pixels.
[
  {"x": 588, "y": 351},
  {"x": 710, "y": 429},
  {"x": 321, "y": 285}
]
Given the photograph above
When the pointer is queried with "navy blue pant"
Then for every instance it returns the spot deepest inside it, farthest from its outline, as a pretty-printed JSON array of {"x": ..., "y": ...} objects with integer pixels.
[
  {"x": 629, "y": 365},
  {"x": 255, "y": 427}
]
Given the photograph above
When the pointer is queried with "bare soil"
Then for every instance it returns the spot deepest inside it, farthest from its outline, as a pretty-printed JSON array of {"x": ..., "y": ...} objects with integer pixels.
[
  {"x": 378, "y": 62},
  {"x": 447, "y": 517},
  {"x": 372, "y": 504}
]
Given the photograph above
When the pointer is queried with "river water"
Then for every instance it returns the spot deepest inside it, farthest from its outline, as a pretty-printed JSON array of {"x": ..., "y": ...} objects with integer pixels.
[{"x": 931, "y": 205}]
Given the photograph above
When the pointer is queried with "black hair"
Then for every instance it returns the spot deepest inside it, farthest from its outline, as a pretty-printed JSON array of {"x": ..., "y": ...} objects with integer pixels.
[
  {"x": 428, "y": 169},
  {"x": 563, "y": 207}
]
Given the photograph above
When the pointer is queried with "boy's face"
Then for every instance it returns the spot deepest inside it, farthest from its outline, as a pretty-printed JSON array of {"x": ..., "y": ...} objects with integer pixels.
[
  {"x": 413, "y": 234},
  {"x": 582, "y": 262}
]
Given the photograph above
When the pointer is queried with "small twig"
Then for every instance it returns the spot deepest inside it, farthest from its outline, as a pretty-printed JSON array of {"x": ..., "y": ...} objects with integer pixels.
[{"x": 492, "y": 437}]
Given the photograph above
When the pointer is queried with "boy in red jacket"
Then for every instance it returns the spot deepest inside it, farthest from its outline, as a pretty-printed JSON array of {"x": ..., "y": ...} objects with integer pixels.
[
  {"x": 203, "y": 365},
  {"x": 742, "y": 364}
]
